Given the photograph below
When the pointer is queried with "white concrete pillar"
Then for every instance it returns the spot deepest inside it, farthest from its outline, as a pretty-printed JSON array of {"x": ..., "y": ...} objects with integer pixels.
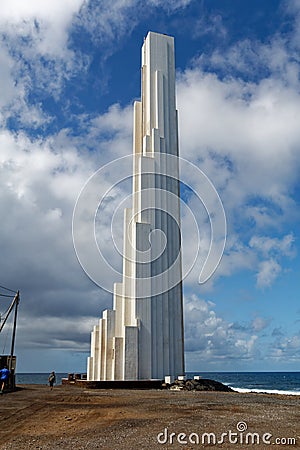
[{"x": 142, "y": 337}]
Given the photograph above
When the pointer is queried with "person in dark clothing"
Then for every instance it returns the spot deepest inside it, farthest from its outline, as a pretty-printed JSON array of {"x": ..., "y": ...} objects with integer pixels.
[{"x": 52, "y": 379}]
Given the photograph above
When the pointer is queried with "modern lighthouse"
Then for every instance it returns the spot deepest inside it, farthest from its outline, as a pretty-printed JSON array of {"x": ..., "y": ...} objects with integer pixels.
[{"x": 142, "y": 337}]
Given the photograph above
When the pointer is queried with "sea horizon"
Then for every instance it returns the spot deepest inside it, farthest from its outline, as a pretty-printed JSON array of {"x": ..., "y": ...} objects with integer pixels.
[
  {"x": 272, "y": 382},
  {"x": 191, "y": 371}
]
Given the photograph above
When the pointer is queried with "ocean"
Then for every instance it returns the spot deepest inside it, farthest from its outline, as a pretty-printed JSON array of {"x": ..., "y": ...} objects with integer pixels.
[
  {"x": 270, "y": 382},
  {"x": 38, "y": 378}
]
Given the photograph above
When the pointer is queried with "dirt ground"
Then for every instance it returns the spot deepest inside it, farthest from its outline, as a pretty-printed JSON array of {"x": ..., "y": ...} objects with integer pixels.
[{"x": 73, "y": 418}]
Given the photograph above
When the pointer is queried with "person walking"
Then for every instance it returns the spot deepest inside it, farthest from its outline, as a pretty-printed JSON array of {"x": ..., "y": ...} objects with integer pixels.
[
  {"x": 4, "y": 378},
  {"x": 52, "y": 379}
]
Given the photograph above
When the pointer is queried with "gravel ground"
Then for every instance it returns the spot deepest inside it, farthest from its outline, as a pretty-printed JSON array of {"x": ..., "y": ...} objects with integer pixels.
[{"x": 72, "y": 418}]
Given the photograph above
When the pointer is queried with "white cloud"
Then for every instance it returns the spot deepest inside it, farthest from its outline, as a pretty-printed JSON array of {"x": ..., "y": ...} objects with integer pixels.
[
  {"x": 241, "y": 128},
  {"x": 210, "y": 24},
  {"x": 46, "y": 23},
  {"x": 292, "y": 8},
  {"x": 268, "y": 271},
  {"x": 211, "y": 337},
  {"x": 56, "y": 332},
  {"x": 39, "y": 184},
  {"x": 272, "y": 250},
  {"x": 212, "y": 343},
  {"x": 170, "y": 4},
  {"x": 107, "y": 22},
  {"x": 6, "y": 81},
  {"x": 40, "y": 180},
  {"x": 286, "y": 348},
  {"x": 36, "y": 50},
  {"x": 259, "y": 324},
  {"x": 237, "y": 256},
  {"x": 18, "y": 11},
  {"x": 238, "y": 121},
  {"x": 251, "y": 128},
  {"x": 111, "y": 133},
  {"x": 34, "y": 42},
  {"x": 270, "y": 246}
]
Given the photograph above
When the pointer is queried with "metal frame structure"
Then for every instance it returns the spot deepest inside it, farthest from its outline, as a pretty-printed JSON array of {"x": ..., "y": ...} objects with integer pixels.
[{"x": 10, "y": 360}]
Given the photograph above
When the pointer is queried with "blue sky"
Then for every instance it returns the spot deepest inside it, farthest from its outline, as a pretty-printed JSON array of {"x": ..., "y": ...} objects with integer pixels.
[{"x": 69, "y": 73}]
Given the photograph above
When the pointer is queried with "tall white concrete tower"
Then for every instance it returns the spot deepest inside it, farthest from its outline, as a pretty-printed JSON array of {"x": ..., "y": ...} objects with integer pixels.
[{"x": 142, "y": 337}]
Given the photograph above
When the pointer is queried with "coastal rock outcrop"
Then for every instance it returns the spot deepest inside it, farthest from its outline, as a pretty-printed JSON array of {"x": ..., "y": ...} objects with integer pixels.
[{"x": 203, "y": 384}]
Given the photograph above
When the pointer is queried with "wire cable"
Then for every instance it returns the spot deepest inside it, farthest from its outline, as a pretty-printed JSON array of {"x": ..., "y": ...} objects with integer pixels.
[
  {"x": 7, "y": 289},
  {"x": 3, "y": 315},
  {"x": 4, "y": 295},
  {"x": 5, "y": 339}
]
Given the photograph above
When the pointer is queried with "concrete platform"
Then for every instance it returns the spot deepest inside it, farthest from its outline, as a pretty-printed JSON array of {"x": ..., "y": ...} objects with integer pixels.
[{"x": 128, "y": 384}]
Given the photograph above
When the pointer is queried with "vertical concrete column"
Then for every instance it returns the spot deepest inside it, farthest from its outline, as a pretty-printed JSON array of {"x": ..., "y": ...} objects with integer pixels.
[{"x": 142, "y": 337}]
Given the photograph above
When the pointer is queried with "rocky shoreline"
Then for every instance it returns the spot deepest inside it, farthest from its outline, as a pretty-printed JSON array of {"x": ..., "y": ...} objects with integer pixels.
[{"x": 201, "y": 384}]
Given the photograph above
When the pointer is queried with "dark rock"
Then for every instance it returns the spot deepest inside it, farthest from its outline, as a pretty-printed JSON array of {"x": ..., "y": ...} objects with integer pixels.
[
  {"x": 204, "y": 385},
  {"x": 189, "y": 385},
  {"x": 211, "y": 385}
]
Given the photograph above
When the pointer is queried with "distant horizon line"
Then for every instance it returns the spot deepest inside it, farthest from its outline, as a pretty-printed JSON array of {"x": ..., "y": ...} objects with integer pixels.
[{"x": 187, "y": 372}]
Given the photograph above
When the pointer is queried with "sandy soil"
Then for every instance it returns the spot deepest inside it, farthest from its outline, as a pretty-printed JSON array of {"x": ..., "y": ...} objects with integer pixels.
[{"x": 73, "y": 418}]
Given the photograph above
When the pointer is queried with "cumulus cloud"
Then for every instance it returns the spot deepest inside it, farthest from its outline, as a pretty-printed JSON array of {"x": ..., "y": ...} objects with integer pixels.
[
  {"x": 285, "y": 349},
  {"x": 242, "y": 130},
  {"x": 259, "y": 324},
  {"x": 250, "y": 129},
  {"x": 34, "y": 42},
  {"x": 268, "y": 271},
  {"x": 269, "y": 246},
  {"x": 40, "y": 179},
  {"x": 44, "y": 24},
  {"x": 107, "y": 22},
  {"x": 273, "y": 249},
  {"x": 212, "y": 343},
  {"x": 39, "y": 52},
  {"x": 6, "y": 85},
  {"x": 249, "y": 125},
  {"x": 208, "y": 337}
]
